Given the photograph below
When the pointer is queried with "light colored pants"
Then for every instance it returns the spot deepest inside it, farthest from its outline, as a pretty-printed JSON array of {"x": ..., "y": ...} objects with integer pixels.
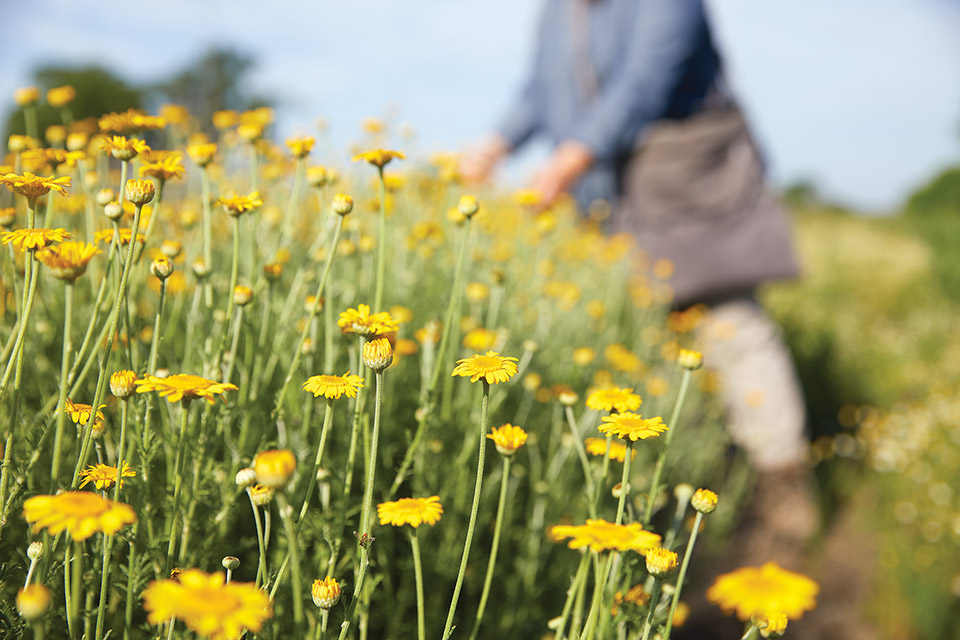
[{"x": 759, "y": 385}]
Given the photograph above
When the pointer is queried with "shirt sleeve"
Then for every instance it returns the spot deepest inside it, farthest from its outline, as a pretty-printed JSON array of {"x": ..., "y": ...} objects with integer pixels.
[{"x": 664, "y": 34}]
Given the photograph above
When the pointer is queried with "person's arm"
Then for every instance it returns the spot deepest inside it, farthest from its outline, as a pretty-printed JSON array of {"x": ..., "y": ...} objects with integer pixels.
[{"x": 664, "y": 34}]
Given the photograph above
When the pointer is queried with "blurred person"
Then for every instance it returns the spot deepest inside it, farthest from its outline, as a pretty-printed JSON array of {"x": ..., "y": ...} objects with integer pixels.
[{"x": 632, "y": 95}]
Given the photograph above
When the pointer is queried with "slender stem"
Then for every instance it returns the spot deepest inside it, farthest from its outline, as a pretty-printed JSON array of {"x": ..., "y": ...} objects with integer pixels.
[
  {"x": 31, "y": 271},
  {"x": 448, "y": 627},
  {"x": 601, "y": 580},
  {"x": 64, "y": 372},
  {"x": 418, "y": 572},
  {"x": 207, "y": 233},
  {"x": 67, "y": 589},
  {"x": 77, "y": 583},
  {"x": 381, "y": 245},
  {"x": 294, "y": 198},
  {"x": 625, "y": 482},
  {"x": 661, "y": 459},
  {"x": 752, "y": 633},
  {"x": 155, "y": 339},
  {"x": 286, "y": 514},
  {"x": 262, "y": 561},
  {"x": 234, "y": 275},
  {"x": 494, "y": 547},
  {"x": 313, "y": 312},
  {"x": 682, "y": 574},
  {"x": 582, "y": 454},
  {"x": 654, "y": 597},
  {"x": 575, "y": 588},
  {"x": 312, "y": 480},
  {"x": 102, "y": 379},
  {"x": 104, "y": 581},
  {"x": 366, "y": 520},
  {"x": 177, "y": 483}
]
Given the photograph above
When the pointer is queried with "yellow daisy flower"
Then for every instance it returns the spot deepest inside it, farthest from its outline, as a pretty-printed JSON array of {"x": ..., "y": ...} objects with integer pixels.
[
  {"x": 104, "y": 476},
  {"x": 106, "y": 235},
  {"x": 238, "y": 205},
  {"x": 170, "y": 166},
  {"x": 598, "y": 447},
  {"x": 411, "y": 511},
  {"x": 492, "y": 367},
  {"x": 274, "y": 468},
  {"x": 130, "y": 120},
  {"x": 601, "y": 535},
  {"x": 32, "y": 239},
  {"x": 210, "y": 607},
  {"x": 364, "y": 323},
  {"x": 614, "y": 399},
  {"x": 32, "y": 186},
  {"x": 123, "y": 148},
  {"x": 633, "y": 426},
  {"x": 508, "y": 439},
  {"x": 184, "y": 386},
  {"x": 480, "y": 339},
  {"x": 378, "y": 157},
  {"x": 68, "y": 261},
  {"x": 202, "y": 154},
  {"x": 80, "y": 513},
  {"x": 764, "y": 590},
  {"x": 300, "y": 147},
  {"x": 61, "y": 96},
  {"x": 80, "y": 413}
]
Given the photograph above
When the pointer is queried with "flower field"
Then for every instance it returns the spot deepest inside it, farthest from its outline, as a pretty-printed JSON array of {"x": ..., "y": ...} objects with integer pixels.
[{"x": 251, "y": 390}]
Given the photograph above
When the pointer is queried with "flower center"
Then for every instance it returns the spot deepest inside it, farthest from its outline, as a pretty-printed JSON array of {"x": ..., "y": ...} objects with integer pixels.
[{"x": 486, "y": 364}]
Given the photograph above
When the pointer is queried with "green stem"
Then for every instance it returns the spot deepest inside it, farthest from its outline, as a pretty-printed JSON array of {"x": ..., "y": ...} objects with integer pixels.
[
  {"x": 312, "y": 480},
  {"x": 102, "y": 378},
  {"x": 207, "y": 232},
  {"x": 286, "y": 514},
  {"x": 77, "y": 583},
  {"x": 67, "y": 589},
  {"x": 234, "y": 275},
  {"x": 64, "y": 372},
  {"x": 575, "y": 588},
  {"x": 177, "y": 484},
  {"x": 661, "y": 459},
  {"x": 16, "y": 356},
  {"x": 294, "y": 198},
  {"x": 104, "y": 581},
  {"x": 601, "y": 580},
  {"x": 429, "y": 399},
  {"x": 682, "y": 574},
  {"x": 448, "y": 627},
  {"x": 366, "y": 520},
  {"x": 752, "y": 633},
  {"x": 584, "y": 463},
  {"x": 418, "y": 572},
  {"x": 624, "y": 482},
  {"x": 494, "y": 547},
  {"x": 654, "y": 597},
  {"x": 313, "y": 313},
  {"x": 262, "y": 561},
  {"x": 381, "y": 245}
]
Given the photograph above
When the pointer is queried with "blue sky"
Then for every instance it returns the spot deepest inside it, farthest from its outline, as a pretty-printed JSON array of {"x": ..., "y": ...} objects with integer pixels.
[{"x": 861, "y": 95}]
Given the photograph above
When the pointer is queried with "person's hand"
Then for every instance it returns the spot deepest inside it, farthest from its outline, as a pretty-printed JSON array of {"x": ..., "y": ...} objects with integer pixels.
[
  {"x": 478, "y": 164},
  {"x": 561, "y": 170}
]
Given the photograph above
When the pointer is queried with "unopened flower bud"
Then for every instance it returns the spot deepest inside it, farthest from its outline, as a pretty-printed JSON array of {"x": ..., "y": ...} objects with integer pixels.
[
  {"x": 326, "y": 592},
  {"x": 690, "y": 360},
  {"x": 139, "y": 192},
  {"x": 530, "y": 345},
  {"x": 171, "y": 248},
  {"x": 17, "y": 143},
  {"x": 35, "y": 550},
  {"x": 683, "y": 492},
  {"x": 242, "y": 295},
  {"x": 77, "y": 142},
  {"x": 704, "y": 501},
  {"x": 468, "y": 206},
  {"x": 568, "y": 398},
  {"x": 26, "y": 96},
  {"x": 260, "y": 495},
  {"x": 162, "y": 268},
  {"x": 8, "y": 215},
  {"x": 246, "y": 478},
  {"x": 342, "y": 204},
  {"x": 105, "y": 197},
  {"x": 230, "y": 563},
  {"x": 200, "y": 268},
  {"x": 123, "y": 384},
  {"x": 55, "y": 134},
  {"x": 317, "y": 176},
  {"x": 272, "y": 271},
  {"x": 113, "y": 210},
  {"x": 661, "y": 563},
  {"x": 378, "y": 354}
]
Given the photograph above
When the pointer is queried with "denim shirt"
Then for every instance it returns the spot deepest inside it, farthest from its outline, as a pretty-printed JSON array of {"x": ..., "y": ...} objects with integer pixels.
[{"x": 605, "y": 69}]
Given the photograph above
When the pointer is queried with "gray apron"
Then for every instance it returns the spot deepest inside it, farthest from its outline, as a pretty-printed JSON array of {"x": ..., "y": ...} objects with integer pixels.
[{"x": 694, "y": 193}]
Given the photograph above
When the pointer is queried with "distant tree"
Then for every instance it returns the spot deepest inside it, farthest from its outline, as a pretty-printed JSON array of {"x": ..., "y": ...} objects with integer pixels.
[
  {"x": 216, "y": 81},
  {"x": 802, "y": 193},
  {"x": 940, "y": 195},
  {"x": 99, "y": 91}
]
